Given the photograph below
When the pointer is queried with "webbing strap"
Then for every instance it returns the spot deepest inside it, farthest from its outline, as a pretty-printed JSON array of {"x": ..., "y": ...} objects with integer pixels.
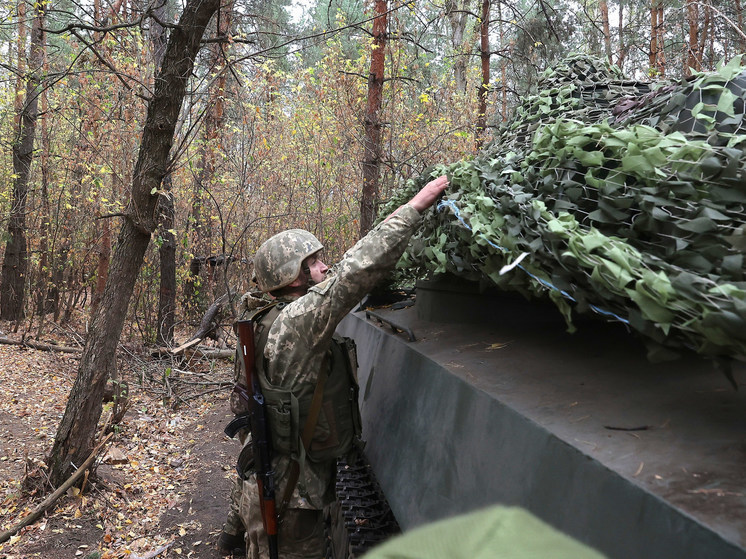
[{"x": 308, "y": 430}]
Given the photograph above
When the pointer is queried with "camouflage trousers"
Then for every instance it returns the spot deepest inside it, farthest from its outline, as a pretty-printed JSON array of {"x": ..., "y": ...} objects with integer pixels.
[
  {"x": 300, "y": 534},
  {"x": 233, "y": 523}
]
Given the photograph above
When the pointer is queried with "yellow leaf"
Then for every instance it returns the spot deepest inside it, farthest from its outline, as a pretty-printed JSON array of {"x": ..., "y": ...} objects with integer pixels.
[
  {"x": 178, "y": 551},
  {"x": 77, "y": 514},
  {"x": 182, "y": 532}
]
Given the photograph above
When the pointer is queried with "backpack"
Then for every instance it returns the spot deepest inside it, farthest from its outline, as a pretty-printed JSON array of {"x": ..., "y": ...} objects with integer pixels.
[{"x": 338, "y": 424}]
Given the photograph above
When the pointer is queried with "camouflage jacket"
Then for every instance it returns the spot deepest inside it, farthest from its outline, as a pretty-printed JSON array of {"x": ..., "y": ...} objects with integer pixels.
[{"x": 302, "y": 333}]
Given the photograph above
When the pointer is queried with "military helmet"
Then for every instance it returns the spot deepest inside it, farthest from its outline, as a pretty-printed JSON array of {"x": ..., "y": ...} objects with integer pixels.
[{"x": 277, "y": 262}]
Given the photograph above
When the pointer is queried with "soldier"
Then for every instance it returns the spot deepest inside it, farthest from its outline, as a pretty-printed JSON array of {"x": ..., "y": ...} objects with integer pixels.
[{"x": 296, "y": 355}]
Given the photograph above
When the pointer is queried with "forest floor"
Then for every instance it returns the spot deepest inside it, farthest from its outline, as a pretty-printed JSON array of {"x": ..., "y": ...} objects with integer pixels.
[{"x": 161, "y": 485}]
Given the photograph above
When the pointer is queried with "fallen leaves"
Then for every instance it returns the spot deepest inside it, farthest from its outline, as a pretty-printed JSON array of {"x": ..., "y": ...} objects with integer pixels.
[{"x": 142, "y": 475}]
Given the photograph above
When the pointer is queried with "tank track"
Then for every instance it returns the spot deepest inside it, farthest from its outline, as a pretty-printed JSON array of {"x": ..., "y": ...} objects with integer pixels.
[{"x": 361, "y": 517}]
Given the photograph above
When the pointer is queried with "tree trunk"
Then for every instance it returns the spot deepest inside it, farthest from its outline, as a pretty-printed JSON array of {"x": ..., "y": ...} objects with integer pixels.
[
  {"x": 21, "y": 57},
  {"x": 43, "y": 275},
  {"x": 58, "y": 278},
  {"x": 653, "y": 55},
  {"x": 604, "y": 9},
  {"x": 661, "y": 53},
  {"x": 503, "y": 63},
  {"x": 739, "y": 21},
  {"x": 102, "y": 267},
  {"x": 457, "y": 14},
  {"x": 167, "y": 248},
  {"x": 167, "y": 253},
  {"x": 657, "y": 57},
  {"x": 372, "y": 123},
  {"x": 15, "y": 263},
  {"x": 710, "y": 36},
  {"x": 704, "y": 32},
  {"x": 693, "y": 62},
  {"x": 622, "y": 47},
  {"x": 76, "y": 433},
  {"x": 484, "y": 55},
  {"x": 104, "y": 241}
]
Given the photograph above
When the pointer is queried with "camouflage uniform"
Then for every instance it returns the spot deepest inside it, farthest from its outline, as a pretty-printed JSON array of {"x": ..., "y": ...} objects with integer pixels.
[{"x": 297, "y": 343}]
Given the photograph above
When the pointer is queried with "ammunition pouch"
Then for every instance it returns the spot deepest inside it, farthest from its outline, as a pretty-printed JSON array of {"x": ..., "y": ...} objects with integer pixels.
[{"x": 338, "y": 427}]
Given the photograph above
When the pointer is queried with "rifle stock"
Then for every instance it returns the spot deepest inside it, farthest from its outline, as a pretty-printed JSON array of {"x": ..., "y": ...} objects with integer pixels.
[{"x": 260, "y": 437}]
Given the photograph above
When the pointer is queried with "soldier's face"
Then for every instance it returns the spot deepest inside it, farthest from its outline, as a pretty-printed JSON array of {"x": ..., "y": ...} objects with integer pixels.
[{"x": 317, "y": 268}]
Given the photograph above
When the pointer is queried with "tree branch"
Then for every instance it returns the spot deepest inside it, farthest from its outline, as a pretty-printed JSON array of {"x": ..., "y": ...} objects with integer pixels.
[
  {"x": 41, "y": 345},
  {"x": 49, "y": 501}
]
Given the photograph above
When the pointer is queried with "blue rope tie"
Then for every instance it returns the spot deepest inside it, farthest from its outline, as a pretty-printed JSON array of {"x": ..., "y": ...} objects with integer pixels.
[{"x": 457, "y": 214}]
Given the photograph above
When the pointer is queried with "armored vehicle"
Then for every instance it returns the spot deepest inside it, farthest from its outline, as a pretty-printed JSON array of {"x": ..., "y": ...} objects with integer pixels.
[{"x": 471, "y": 398}]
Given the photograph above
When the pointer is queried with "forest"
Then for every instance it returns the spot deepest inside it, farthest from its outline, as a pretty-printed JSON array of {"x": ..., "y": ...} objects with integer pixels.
[
  {"x": 289, "y": 111},
  {"x": 151, "y": 147}
]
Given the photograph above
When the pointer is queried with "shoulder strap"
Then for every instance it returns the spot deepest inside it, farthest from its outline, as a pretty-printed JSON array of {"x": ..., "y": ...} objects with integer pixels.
[
  {"x": 258, "y": 314},
  {"x": 307, "y": 435},
  {"x": 263, "y": 319}
]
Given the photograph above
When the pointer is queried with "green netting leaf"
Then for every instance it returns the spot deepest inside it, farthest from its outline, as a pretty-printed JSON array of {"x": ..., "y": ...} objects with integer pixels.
[
  {"x": 729, "y": 290},
  {"x": 726, "y": 194},
  {"x": 692, "y": 261},
  {"x": 650, "y": 308},
  {"x": 636, "y": 163},
  {"x": 731, "y": 69},
  {"x": 738, "y": 239},
  {"x": 590, "y": 158},
  {"x": 713, "y": 214},
  {"x": 698, "y": 225},
  {"x": 593, "y": 240},
  {"x": 726, "y": 102}
]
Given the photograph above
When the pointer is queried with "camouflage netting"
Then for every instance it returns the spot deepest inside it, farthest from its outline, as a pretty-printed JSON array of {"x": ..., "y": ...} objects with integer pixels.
[{"x": 608, "y": 196}]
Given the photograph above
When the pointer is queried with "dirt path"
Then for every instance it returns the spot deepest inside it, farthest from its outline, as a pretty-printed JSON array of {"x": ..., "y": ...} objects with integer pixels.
[{"x": 202, "y": 516}]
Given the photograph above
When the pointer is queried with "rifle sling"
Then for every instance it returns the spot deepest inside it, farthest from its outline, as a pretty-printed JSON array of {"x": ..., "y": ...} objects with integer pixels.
[{"x": 308, "y": 430}]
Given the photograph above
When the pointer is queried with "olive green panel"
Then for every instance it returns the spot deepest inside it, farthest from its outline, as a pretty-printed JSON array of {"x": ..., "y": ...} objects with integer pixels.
[{"x": 455, "y": 421}]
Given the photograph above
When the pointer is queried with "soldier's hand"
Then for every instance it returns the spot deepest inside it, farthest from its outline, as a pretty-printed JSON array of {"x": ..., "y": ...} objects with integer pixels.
[{"x": 429, "y": 194}]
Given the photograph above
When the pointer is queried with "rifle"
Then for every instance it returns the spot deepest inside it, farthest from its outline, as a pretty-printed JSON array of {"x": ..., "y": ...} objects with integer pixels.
[{"x": 265, "y": 475}]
